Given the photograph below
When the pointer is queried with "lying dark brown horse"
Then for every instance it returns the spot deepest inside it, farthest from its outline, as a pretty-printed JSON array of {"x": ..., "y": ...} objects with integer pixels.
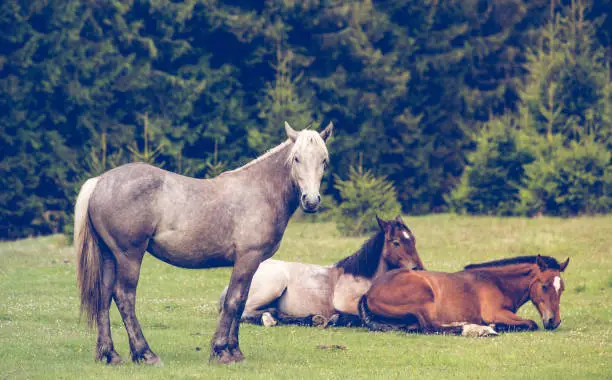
[{"x": 482, "y": 294}]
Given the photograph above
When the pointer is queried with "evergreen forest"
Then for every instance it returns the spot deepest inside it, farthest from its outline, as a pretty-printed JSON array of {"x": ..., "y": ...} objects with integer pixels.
[{"x": 496, "y": 107}]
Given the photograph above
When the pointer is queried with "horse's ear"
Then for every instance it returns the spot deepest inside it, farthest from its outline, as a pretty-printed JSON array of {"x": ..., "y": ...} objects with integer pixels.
[
  {"x": 291, "y": 133},
  {"x": 327, "y": 131},
  {"x": 564, "y": 265},
  {"x": 383, "y": 224},
  {"x": 400, "y": 220},
  {"x": 541, "y": 263}
]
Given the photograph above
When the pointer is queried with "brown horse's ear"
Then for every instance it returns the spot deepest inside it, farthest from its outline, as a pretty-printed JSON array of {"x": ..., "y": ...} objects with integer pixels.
[
  {"x": 327, "y": 132},
  {"x": 291, "y": 133},
  {"x": 383, "y": 224},
  {"x": 564, "y": 265},
  {"x": 541, "y": 263},
  {"x": 400, "y": 220}
]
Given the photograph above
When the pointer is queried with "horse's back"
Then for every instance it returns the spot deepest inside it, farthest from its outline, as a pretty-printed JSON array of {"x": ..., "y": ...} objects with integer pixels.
[
  {"x": 140, "y": 192},
  {"x": 133, "y": 185},
  {"x": 434, "y": 285}
]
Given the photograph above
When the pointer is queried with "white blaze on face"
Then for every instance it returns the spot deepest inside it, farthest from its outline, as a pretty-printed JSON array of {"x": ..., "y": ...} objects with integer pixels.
[
  {"x": 406, "y": 235},
  {"x": 557, "y": 283}
]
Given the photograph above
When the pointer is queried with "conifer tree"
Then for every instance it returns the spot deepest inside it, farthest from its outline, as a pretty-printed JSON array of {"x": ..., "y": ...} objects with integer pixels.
[
  {"x": 281, "y": 101},
  {"x": 492, "y": 181},
  {"x": 568, "y": 88},
  {"x": 363, "y": 197}
]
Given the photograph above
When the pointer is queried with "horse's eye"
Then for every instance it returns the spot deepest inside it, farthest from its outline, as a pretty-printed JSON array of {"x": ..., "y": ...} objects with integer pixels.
[
  {"x": 544, "y": 287},
  {"x": 396, "y": 243},
  {"x": 325, "y": 164},
  {"x": 297, "y": 160}
]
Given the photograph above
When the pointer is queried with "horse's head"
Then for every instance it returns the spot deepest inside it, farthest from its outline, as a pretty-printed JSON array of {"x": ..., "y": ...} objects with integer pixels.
[
  {"x": 545, "y": 291},
  {"x": 399, "y": 249},
  {"x": 308, "y": 160}
]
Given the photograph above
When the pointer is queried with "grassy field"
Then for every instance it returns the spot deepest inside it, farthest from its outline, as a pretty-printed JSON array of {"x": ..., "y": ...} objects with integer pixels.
[{"x": 41, "y": 337}]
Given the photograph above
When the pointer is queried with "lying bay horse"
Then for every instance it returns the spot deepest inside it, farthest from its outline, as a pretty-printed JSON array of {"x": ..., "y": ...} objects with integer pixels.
[
  {"x": 237, "y": 218},
  {"x": 482, "y": 294},
  {"x": 312, "y": 294}
]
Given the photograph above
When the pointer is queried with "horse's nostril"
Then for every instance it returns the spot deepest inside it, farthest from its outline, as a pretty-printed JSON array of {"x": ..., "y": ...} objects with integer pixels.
[{"x": 311, "y": 200}]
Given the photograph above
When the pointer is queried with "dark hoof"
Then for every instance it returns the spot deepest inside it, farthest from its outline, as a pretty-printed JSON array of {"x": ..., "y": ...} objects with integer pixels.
[
  {"x": 115, "y": 360},
  {"x": 237, "y": 354},
  {"x": 226, "y": 356},
  {"x": 148, "y": 358},
  {"x": 110, "y": 358},
  {"x": 155, "y": 361}
]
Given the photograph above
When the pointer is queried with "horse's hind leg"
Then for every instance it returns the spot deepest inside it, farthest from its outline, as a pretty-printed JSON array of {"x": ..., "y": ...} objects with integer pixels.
[
  {"x": 105, "y": 349},
  {"x": 128, "y": 272}
]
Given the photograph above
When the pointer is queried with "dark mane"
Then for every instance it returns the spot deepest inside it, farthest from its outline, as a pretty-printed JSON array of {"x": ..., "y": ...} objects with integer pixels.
[
  {"x": 551, "y": 262},
  {"x": 365, "y": 261}
]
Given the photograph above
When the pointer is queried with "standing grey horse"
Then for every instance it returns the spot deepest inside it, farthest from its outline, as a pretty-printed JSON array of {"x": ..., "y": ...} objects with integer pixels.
[{"x": 237, "y": 218}]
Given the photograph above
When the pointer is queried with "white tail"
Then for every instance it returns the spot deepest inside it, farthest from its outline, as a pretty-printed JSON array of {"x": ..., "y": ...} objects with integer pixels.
[
  {"x": 88, "y": 259},
  {"x": 80, "y": 210}
]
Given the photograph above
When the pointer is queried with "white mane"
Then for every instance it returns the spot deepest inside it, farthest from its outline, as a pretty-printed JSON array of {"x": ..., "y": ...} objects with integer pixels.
[{"x": 305, "y": 138}]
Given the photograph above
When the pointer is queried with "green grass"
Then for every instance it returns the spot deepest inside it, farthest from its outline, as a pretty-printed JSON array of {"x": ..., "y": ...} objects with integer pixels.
[{"x": 41, "y": 337}]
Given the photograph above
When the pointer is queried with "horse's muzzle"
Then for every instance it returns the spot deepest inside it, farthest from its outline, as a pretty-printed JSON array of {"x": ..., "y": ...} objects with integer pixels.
[
  {"x": 549, "y": 324},
  {"x": 310, "y": 203}
]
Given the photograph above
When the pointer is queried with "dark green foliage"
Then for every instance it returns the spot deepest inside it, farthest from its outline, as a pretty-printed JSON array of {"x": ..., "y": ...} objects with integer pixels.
[
  {"x": 568, "y": 88},
  {"x": 76, "y": 79},
  {"x": 494, "y": 175},
  {"x": 568, "y": 181},
  {"x": 214, "y": 167},
  {"x": 407, "y": 83},
  {"x": 559, "y": 158},
  {"x": 567, "y": 102},
  {"x": 363, "y": 197}
]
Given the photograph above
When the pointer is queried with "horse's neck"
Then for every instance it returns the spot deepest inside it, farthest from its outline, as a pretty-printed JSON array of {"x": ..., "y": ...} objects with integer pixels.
[
  {"x": 514, "y": 281},
  {"x": 366, "y": 262},
  {"x": 382, "y": 267},
  {"x": 272, "y": 175}
]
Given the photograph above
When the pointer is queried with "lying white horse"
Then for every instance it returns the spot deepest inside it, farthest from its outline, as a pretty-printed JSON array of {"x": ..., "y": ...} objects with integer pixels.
[{"x": 312, "y": 294}]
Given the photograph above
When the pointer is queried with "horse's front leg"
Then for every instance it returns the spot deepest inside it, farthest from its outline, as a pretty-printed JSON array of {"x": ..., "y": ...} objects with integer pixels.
[
  {"x": 224, "y": 346},
  {"x": 506, "y": 320}
]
